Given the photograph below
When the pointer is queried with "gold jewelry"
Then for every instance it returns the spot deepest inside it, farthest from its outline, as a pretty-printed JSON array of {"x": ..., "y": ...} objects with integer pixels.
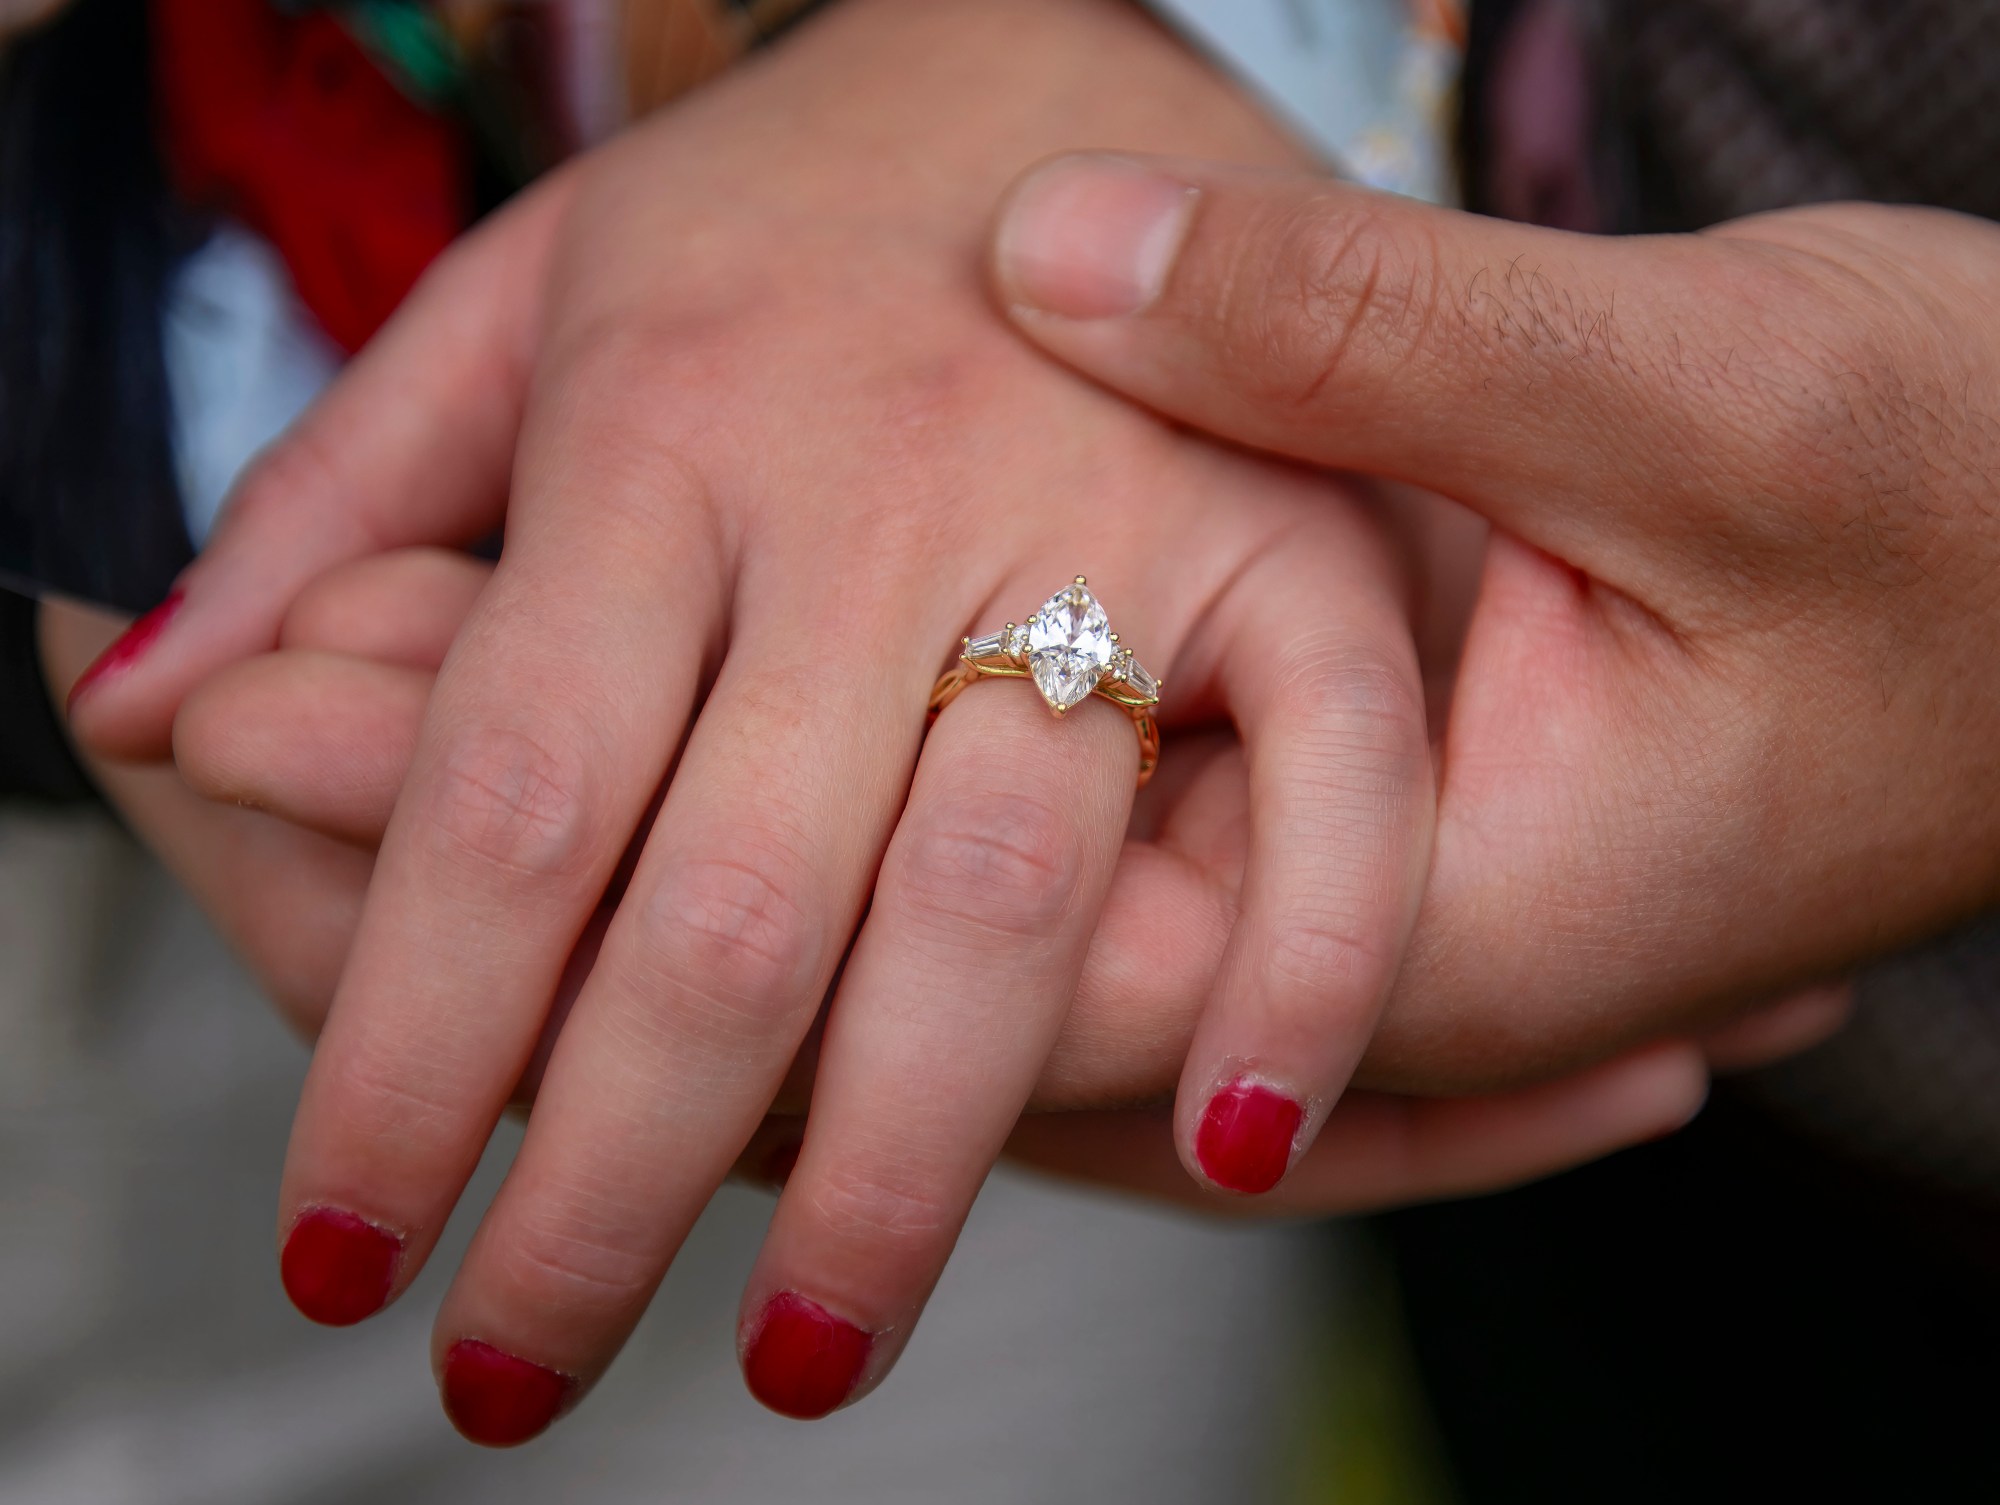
[{"x": 1069, "y": 650}]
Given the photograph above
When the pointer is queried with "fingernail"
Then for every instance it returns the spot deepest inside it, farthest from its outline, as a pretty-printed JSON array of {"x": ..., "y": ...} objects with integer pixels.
[
  {"x": 1245, "y": 1139},
  {"x": 338, "y": 1268},
  {"x": 1091, "y": 237},
  {"x": 497, "y": 1400},
  {"x": 803, "y": 1360},
  {"x": 128, "y": 648}
]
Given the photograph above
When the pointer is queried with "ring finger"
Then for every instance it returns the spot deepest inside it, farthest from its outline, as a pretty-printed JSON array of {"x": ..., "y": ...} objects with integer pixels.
[{"x": 958, "y": 984}]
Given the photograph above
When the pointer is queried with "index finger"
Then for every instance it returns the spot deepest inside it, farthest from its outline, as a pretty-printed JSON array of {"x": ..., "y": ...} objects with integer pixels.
[
  {"x": 552, "y": 725},
  {"x": 413, "y": 443}
]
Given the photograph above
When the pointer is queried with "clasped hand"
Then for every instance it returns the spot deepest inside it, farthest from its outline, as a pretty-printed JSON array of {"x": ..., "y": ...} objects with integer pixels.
[{"x": 764, "y": 450}]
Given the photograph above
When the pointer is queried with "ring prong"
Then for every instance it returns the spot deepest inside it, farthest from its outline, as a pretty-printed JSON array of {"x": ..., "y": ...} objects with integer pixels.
[{"x": 1083, "y": 643}]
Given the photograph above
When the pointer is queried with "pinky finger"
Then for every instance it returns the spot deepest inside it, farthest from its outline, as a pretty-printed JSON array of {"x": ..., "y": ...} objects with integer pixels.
[
  {"x": 1378, "y": 1151},
  {"x": 1321, "y": 676}
]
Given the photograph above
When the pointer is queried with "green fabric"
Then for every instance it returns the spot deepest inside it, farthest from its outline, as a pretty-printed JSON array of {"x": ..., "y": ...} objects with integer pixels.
[{"x": 415, "y": 52}]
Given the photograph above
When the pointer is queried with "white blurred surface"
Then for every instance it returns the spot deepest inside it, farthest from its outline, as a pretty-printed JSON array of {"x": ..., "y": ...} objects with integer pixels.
[{"x": 1078, "y": 1349}]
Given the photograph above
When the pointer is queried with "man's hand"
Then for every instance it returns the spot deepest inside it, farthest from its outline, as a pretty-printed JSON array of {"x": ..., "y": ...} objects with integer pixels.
[{"x": 1726, "y": 712}]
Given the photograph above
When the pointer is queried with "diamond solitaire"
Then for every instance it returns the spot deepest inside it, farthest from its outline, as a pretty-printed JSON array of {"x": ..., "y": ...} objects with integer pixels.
[
  {"x": 1070, "y": 645},
  {"x": 1069, "y": 650}
]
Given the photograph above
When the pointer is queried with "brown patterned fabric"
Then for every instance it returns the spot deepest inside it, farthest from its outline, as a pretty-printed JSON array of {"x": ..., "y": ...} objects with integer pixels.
[
  {"x": 1713, "y": 109},
  {"x": 1911, "y": 1087},
  {"x": 1720, "y": 108}
]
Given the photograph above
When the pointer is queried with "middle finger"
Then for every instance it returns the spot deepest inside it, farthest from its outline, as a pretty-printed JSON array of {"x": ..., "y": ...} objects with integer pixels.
[
  {"x": 715, "y": 964},
  {"x": 540, "y": 751}
]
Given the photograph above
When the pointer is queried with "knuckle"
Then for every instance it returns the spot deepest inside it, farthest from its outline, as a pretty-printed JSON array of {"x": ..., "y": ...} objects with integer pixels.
[
  {"x": 1359, "y": 776},
  {"x": 1858, "y": 408},
  {"x": 925, "y": 403},
  {"x": 731, "y": 929},
  {"x": 1825, "y": 400},
  {"x": 1355, "y": 283},
  {"x": 557, "y": 1259},
  {"x": 648, "y": 383},
  {"x": 1316, "y": 953},
  {"x": 506, "y": 799},
  {"x": 1364, "y": 693},
  {"x": 1009, "y": 865},
  {"x": 608, "y": 360},
  {"x": 294, "y": 471},
  {"x": 860, "y": 1204},
  {"x": 300, "y": 476},
  {"x": 641, "y": 404},
  {"x": 1854, "y": 461},
  {"x": 394, "y": 1111},
  {"x": 1359, "y": 738}
]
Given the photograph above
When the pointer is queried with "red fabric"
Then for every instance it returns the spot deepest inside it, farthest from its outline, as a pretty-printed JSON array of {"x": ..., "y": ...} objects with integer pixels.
[{"x": 284, "y": 122}]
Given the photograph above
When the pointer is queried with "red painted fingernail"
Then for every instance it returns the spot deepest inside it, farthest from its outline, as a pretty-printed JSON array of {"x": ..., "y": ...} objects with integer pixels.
[
  {"x": 338, "y": 1268},
  {"x": 804, "y": 1361},
  {"x": 497, "y": 1400},
  {"x": 129, "y": 646},
  {"x": 1245, "y": 1139}
]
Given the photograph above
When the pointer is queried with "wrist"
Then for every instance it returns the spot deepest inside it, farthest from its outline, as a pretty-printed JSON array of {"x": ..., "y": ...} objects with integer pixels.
[{"x": 945, "y": 104}]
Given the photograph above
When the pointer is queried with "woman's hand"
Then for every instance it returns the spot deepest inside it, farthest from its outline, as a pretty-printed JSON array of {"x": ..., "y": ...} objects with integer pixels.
[
  {"x": 774, "y": 457},
  {"x": 301, "y": 752},
  {"x": 1725, "y": 714},
  {"x": 320, "y": 735},
  {"x": 298, "y": 756}
]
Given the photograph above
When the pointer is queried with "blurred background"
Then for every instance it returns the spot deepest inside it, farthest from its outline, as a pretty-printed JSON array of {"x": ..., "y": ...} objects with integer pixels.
[
  {"x": 205, "y": 205},
  {"x": 1796, "y": 1298},
  {"x": 1079, "y": 1349}
]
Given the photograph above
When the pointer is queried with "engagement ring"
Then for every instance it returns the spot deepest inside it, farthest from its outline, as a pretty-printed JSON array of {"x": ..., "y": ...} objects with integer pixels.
[{"x": 1069, "y": 650}]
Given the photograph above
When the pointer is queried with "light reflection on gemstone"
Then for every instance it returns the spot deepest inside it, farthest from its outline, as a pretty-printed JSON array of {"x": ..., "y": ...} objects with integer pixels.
[
  {"x": 1069, "y": 646},
  {"x": 1138, "y": 678}
]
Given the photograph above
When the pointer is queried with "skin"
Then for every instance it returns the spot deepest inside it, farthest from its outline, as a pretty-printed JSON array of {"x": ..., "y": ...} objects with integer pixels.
[
  {"x": 1725, "y": 709},
  {"x": 760, "y": 445},
  {"x": 614, "y": 375},
  {"x": 288, "y": 766}
]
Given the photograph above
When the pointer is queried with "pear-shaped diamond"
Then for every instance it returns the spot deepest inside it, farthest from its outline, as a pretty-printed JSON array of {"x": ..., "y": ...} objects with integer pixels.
[{"x": 1069, "y": 646}]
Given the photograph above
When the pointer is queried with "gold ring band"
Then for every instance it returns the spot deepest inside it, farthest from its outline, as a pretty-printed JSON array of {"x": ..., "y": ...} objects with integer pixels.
[{"x": 1070, "y": 652}]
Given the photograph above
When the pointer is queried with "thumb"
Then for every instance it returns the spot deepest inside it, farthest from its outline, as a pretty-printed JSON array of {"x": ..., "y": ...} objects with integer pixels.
[
  {"x": 1518, "y": 369},
  {"x": 412, "y": 444}
]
